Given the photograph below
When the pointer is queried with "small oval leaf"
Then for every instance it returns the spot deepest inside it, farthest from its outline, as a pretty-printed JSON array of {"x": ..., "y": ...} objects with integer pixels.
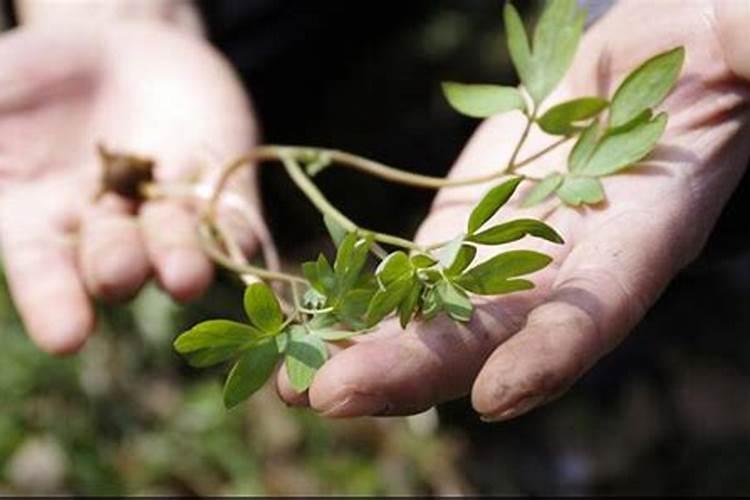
[
  {"x": 542, "y": 190},
  {"x": 422, "y": 261},
  {"x": 455, "y": 301},
  {"x": 565, "y": 118},
  {"x": 491, "y": 202},
  {"x": 250, "y": 372},
  {"x": 463, "y": 259},
  {"x": 493, "y": 276},
  {"x": 408, "y": 306},
  {"x": 305, "y": 354},
  {"x": 619, "y": 151},
  {"x": 214, "y": 341},
  {"x": 482, "y": 101},
  {"x": 262, "y": 308},
  {"x": 518, "y": 43},
  {"x": 515, "y": 230},
  {"x": 583, "y": 148},
  {"x": 555, "y": 42},
  {"x": 385, "y": 301},
  {"x": 576, "y": 191},
  {"x": 646, "y": 87},
  {"x": 395, "y": 265}
]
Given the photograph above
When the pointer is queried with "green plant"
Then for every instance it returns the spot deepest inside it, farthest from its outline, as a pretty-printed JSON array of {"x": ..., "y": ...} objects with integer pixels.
[{"x": 333, "y": 301}]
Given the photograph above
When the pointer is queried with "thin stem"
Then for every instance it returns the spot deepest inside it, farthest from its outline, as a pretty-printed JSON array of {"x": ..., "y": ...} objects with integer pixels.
[
  {"x": 208, "y": 243},
  {"x": 541, "y": 153},
  {"x": 312, "y": 192},
  {"x": 289, "y": 156},
  {"x": 524, "y": 135}
]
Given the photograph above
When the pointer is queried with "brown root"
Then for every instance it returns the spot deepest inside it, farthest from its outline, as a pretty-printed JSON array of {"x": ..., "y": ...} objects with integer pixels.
[{"x": 125, "y": 174}]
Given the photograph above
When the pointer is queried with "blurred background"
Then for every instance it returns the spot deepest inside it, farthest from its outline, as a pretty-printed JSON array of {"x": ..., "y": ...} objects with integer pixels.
[{"x": 666, "y": 413}]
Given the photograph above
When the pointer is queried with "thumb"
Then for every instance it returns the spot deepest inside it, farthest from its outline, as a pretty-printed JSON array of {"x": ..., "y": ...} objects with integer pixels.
[{"x": 733, "y": 19}]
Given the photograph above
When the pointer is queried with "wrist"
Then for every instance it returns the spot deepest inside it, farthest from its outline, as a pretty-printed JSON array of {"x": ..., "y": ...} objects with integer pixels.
[{"x": 179, "y": 14}]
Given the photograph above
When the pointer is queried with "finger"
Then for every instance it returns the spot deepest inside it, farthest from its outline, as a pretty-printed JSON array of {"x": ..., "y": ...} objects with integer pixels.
[
  {"x": 732, "y": 21},
  {"x": 412, "y": 370},
  {"x": 603, "y": 288},
  {"x": 293, "y": 398},
  {"x": 287, "y": 393},
  {"x": 404, "y": 372},
  {"x": 40, "y": 265},
  {"x": 113, "y": 259},
  {"x": 181, "y": 267}
]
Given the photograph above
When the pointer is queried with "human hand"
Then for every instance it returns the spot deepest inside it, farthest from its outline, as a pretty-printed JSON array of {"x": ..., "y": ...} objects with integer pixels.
[
  {"x": 522, "y": 350},
  {"x": 140, "y": 88}
]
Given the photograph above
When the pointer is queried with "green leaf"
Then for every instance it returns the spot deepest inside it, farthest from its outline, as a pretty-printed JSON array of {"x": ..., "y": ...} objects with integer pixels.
[
  {"x": 321, "y": 321},
  {"x": 408, "y": 306},
  {"x": 350, "y": 259},
  {"x": 518, "y": 43},
  {"x": 386, "y": 300},
  {"x": 335, "y": 335},
  {"x": 214, "y": 341},
  {"x": 421, "y": 261},
  {"x": 515, "y": 230},
  {"x": 491, "y": 203},
  {"x": 336, "y": 230},
  {"x": 431, "y": 276},
  {"x": 503, "y": 287},
  {"x": 326, "y": 277},
  {"x": 493, "y": 276},
  {"x": 576, "y": 190},
  {"x": 555, "y": 42},
  {"x": 646, "y": 86},
  {"x": 305, "y": 354},
  {"x": 431, "y": 305},
  {"x": 464, "y": 258},
  {"x": 353, "y": 305},
  {"x": 262, "y": 308},
  {"x": 636, "y": 122},
  {"x": 542, "y": 190},
  {"x": 482, "y": 101},
  {"x": 450, "y": 251},
  {"x": 455, "y": 301},
  {"x": 583, "y": 148},
  {"x": 310, "y": 272},
  {"x": 619, "y": 151},
  {"x": 250, "y": 372},
  {"x": 282, "y": 341},
  {"x": 564, "y": 118},
  {"x": 395, "y": 265}
]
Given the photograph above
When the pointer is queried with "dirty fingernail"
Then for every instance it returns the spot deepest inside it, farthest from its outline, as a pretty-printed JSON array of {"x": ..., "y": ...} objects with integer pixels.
[
  {"x": 518, "y": 408},
  {"x": 356, "y": 405}
]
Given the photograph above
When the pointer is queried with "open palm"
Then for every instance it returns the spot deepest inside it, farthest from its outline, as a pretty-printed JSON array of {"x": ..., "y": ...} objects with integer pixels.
[
  {"x": 138, "y": 88},
  {"x": 524, "y": 349}
]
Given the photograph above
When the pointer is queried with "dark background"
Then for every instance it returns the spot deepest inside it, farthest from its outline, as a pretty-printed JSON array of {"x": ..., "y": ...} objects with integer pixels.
[{"x": 666, "y": 413}]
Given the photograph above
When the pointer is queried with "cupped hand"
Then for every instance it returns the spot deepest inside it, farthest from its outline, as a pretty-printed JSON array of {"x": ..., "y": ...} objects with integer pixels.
[
  {"x": 524, "y": 349},
  {"x": 138, "y": 88}
]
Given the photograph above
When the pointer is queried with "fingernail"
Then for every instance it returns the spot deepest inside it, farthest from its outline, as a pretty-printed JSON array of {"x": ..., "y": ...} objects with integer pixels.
[
  {"x": 519, "y": 408},
  {"x": 179, "y": 272},
  {"x": 357, "y": 405}
]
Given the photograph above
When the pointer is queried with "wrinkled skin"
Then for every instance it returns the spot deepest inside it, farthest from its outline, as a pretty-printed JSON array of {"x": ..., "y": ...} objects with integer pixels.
[
  {"x": 139, "y": 88},
  {"x": 522, "y": 350}
]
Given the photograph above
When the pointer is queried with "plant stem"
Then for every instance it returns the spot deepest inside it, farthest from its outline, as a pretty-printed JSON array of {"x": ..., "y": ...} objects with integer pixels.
[
  {"x": 524, "y": 135},
  {"x": 208, "y": 243},
  {"x": 541, "y": 153},
  {"x": 289, "y": 157},
  {"x": 312, "y": 192}
]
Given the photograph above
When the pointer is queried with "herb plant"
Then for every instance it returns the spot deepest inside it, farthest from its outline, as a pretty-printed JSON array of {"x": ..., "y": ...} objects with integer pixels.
[{"x": 364, "y": 284}]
